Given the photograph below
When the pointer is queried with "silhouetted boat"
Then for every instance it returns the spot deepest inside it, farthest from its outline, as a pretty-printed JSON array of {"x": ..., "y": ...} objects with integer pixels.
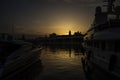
[
  {"x": 102, "y": 40},
  {"x": 16, "y": 56}
]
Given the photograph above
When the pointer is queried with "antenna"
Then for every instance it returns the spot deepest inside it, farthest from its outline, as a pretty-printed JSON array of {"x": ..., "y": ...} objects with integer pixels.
[
  {"x": 110, "y": 5},
  {"x": 117, "y": 10}
]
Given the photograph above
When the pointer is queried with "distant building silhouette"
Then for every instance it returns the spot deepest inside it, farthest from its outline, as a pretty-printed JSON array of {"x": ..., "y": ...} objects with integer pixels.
[
  {"x": 53, "y": 35},
  {"x": 65, "y": 39},
  {"x": 69, "y": 33}
]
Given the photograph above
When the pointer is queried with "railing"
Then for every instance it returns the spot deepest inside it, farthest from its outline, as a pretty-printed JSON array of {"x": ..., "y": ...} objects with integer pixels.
[{"x": 109, "y": 24}]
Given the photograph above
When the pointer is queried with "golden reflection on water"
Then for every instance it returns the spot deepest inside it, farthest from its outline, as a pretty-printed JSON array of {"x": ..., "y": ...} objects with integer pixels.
[
  {"x": 65, "y": 64},
  {"x": 65, "y": 54},
  {"x": 61, "y": 64},
  {"x": 60, "y": 55}
]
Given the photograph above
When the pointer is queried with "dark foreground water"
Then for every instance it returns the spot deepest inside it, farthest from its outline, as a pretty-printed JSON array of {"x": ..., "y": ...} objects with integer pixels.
[{"x": 60, "y": 63}]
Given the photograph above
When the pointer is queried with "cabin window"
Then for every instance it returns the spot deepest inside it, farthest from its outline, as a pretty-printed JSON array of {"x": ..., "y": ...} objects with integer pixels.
[
  {"x": 117, "y": 46},
  {"x": 110, "y": 46},
  {"x": 103, "y": 45},
  {"x": 88, "y": 43},
  {"x": 107, "y": 45},
  {"x": 91, "y": 43},
  {"x": 97, "y": 45}
]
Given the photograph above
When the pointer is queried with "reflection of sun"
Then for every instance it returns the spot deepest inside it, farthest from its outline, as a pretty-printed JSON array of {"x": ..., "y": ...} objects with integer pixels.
[{"x": 66, "y": 55}]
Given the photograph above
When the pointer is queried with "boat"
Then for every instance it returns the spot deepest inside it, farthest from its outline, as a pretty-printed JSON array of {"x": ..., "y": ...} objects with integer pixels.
[
  {"x": 102, "y": 40},
  {"x": 16, "y": 56}
]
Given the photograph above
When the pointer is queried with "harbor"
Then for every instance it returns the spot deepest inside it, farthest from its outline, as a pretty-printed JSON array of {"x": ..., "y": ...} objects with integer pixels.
[
  {"x": 59, "y": 40},
  {"x": 61, "y": 63}
]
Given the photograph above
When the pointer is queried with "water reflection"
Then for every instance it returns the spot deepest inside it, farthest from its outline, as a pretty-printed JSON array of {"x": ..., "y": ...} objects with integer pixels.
[
  {"x": 69, "y": 47},
  {"x": 61, "y": 63}
]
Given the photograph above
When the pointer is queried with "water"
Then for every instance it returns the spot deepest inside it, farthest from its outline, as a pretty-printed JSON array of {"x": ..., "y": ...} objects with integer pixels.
[
  {"x": 61, "y": 64},
  {"x": 64, "y": 63}
]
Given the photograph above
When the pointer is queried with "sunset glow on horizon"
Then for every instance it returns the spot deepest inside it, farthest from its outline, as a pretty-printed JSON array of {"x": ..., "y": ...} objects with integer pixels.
[
  {"x": 43, "y": 17},
  {"x": 61, "y": 25}
]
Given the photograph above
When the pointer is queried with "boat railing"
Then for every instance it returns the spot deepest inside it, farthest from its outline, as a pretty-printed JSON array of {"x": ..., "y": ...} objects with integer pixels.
[{"x": 110, "y": 24}]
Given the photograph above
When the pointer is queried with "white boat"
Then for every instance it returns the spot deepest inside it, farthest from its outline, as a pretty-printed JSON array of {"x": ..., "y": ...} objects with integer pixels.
[
  {"x": 16, "y": 56},
  {"x": 102, "y": 40}
]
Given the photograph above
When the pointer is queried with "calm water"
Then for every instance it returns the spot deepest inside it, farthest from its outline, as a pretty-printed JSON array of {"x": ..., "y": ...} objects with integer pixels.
[{"x": 61, "y": 64}]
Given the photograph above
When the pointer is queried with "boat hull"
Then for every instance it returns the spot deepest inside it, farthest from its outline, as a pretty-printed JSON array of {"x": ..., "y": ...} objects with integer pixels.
[{"x": 20, "y": 63}]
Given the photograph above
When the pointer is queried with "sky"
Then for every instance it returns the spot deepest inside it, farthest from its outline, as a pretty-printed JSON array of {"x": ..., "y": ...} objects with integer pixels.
[{"x": 47, "y": 16}]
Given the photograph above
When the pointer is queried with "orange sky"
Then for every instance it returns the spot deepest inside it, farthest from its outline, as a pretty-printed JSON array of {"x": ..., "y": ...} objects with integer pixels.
[{"x": 47, "y": 16}]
